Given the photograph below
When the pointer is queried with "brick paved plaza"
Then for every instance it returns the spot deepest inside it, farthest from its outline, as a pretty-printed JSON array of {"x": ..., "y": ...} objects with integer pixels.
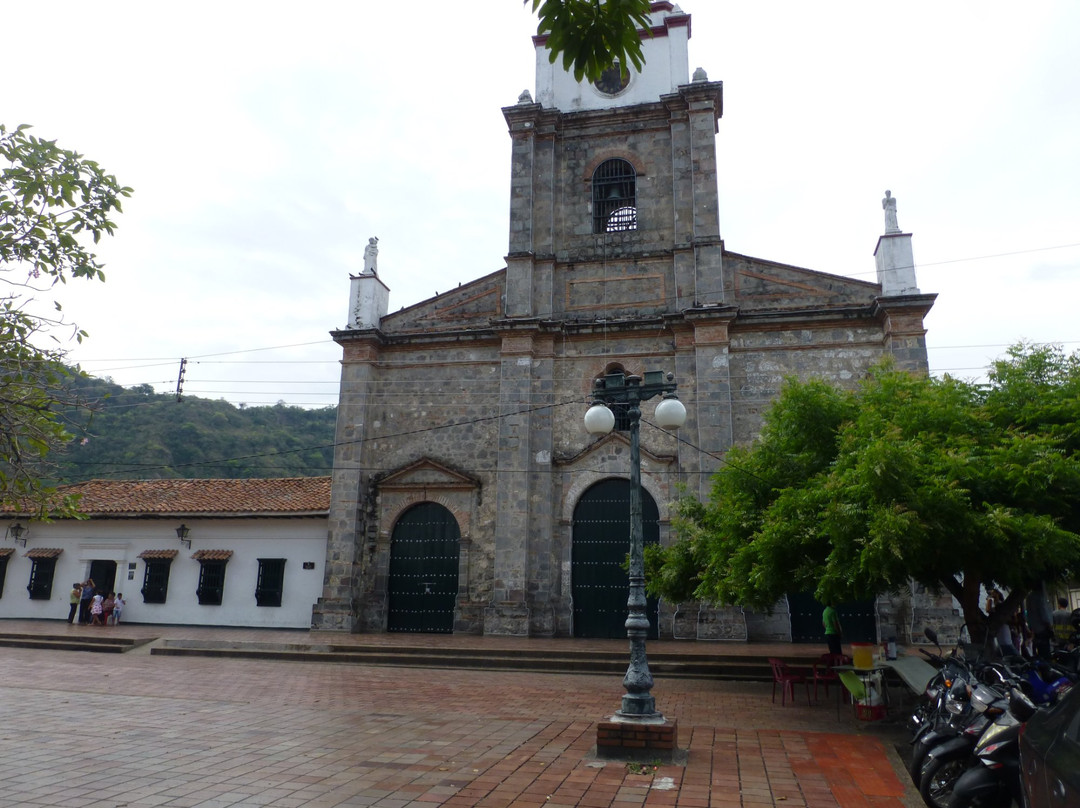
[{"x": 84, "y": 729}]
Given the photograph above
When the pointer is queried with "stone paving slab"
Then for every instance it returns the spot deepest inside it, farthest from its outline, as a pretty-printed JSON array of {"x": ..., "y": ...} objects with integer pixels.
[{"x": 140, "y": 730}]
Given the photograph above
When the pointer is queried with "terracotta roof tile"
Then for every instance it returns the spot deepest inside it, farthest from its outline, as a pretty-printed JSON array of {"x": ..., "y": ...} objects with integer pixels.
[
  {"x": 44, "y": 552},
  {"x": 212, "y": 555},
  {"x": 287, "y": 496},
  {"x": 158, "y": 554},
  {"x": 6, "y": 551}
]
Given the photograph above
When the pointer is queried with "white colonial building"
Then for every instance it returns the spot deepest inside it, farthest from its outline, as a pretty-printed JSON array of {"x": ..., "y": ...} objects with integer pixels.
[{"x": 191, "y": 552}]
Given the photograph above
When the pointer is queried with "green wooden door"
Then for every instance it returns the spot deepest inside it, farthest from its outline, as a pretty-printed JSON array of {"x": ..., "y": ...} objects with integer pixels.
[
  {"x": 600, "y": 545},
  {"x": 857, "y": 619},
  {"x": 424, "y": 550}
]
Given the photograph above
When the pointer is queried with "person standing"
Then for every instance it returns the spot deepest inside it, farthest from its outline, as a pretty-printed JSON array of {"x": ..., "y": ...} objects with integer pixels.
[
  {"x": 96, "y": 610},
  {"x": 84, "y": 600},
  {"x": 1062, "y": 623},
  {"x": 118, "y": 608},
  {"x": 73, "y": 599},
  {"x": 107, "y": 608},
  {"x": 1040, "y": 621},
  {"x": 833, "y": 635}
]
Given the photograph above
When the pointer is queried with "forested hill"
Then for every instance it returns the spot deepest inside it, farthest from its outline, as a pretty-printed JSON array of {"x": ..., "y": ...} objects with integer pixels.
[{"x": 135, "y": 433}]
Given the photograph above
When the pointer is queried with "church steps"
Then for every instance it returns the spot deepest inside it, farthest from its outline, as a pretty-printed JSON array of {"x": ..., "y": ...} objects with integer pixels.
[
  {"x": 59, "y": 642},
  {"x": 682, "y": 665}
]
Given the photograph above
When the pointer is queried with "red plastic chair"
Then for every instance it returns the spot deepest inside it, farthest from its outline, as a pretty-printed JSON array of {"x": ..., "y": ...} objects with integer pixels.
[
  {"x": 824, "y": 674},
  {"x": 787, "y": 679}
]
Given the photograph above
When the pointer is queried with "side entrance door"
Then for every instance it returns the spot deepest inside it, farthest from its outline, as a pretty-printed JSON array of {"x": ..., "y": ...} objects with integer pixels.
[
  {"x": 104, "y": 575},
  {"x": 423, "y": 586},
  {"x": 599, "y": 548}
]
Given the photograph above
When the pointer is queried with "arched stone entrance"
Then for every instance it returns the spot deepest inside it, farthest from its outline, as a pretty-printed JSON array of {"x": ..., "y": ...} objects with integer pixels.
[
  {"x": 599, "y": 546},
  {"x": 423, "y": 584}
]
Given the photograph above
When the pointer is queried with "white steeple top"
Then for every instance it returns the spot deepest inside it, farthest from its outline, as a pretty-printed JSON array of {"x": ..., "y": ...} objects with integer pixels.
[
  {"x": 666, "y": 67},
  {"x": 893, "y": 255}
]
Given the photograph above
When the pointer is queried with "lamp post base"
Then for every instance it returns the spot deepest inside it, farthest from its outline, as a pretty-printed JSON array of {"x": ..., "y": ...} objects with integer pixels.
[
  {"x": 638, "y": 739},
  {"x": 639, "y": 707}
]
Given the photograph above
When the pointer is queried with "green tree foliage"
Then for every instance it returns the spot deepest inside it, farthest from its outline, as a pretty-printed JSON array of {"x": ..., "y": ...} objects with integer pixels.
[
  {"x": 852, "y": 493},
  {"x": 593, "y": 35},
  {"x": 52, "y": 201},
  {"x": 137, "y": 433}
]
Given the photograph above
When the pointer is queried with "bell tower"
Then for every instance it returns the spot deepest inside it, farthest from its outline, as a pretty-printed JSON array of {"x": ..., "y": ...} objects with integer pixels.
[{"x": 613, "y": 202}]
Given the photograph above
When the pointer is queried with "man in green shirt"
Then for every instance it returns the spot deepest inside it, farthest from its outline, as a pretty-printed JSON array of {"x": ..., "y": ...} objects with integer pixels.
[{"x": 831, "y": 620}]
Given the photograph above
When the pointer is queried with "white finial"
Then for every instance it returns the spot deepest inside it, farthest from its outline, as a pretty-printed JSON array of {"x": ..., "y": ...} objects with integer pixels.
[
  {"x": 889, "y": 206},
  {"x": 525, "y": 97},
  {"x": 700, "y": 75}
]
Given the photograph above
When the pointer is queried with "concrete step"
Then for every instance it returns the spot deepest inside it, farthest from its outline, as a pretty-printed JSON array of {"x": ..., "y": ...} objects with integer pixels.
[
  {"x": 682, "y": 665},
  {"x": 92, "y": 642}
]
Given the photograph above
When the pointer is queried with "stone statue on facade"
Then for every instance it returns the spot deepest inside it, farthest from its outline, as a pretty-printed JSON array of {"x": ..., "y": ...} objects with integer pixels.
[
  {"x": 889, "y": 205},
  {"x": 371, "y": 256}
]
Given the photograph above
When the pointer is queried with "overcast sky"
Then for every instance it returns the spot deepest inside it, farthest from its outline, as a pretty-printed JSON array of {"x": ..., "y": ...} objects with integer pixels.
[{"x": 266, "y": 141}]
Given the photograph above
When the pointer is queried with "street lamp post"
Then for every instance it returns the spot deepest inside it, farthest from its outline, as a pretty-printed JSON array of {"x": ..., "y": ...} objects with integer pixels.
[{"x": 638, "y": 703}]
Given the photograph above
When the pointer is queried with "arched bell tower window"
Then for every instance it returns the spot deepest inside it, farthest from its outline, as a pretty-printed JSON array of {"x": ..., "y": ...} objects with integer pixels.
[{"x": 614, "y": 196}]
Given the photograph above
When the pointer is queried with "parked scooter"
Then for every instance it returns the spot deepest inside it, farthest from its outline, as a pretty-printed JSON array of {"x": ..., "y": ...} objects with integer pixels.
[
  {"x": 964, "y": 725},
  {"x": 973, "y": 708},
  {"x": 994, "y": 780},
  {"x": 934, "y": 720}
]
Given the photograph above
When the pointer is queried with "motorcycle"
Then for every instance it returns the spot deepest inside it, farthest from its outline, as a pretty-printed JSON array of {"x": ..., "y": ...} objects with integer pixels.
[
  {"x": 973, "y": 709},
  {"x": 994, "y": 780},
  {"x": 933, "y": 721}
]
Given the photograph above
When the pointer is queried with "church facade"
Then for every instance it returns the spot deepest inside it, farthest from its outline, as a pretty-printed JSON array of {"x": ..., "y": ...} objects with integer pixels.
[{"x": 467, "y": 495}]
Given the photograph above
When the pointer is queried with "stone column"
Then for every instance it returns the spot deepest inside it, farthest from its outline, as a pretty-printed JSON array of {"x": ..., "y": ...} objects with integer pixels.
[
  {"x": 543, "y": 571},
  {"x": 904, "y": 330},
  {"x": 694, "y": 142},
  {"x": 712, "y": 393},
  {"x": 508, "y": 611},
  {"x": 335, "y": 610},
  {"x": 522, "y": 121}
]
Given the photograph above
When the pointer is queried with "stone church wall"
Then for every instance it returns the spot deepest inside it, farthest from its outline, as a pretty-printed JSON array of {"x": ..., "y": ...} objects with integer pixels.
[{"x": 762, "y": 360}]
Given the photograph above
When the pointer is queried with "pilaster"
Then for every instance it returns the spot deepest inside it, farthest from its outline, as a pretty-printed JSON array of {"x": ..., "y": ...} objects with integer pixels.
[
  {"x": 508, "y": 612},
  {"x": 904, "y": 332},
  {"x": 335, "y": 610},
  {"x": 696, "y": 182},
  {"x": 532, "y": 208},
  {"x": 712, "y": 425}
]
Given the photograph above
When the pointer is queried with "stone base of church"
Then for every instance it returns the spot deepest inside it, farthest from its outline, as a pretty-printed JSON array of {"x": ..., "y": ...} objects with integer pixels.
[
  {"x": 332, "y": 616},
  {"x": 510, "y": 619},
  {"x": 634, "y": 740}
]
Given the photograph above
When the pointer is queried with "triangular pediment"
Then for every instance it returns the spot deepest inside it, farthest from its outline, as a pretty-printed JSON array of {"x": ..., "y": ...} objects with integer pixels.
[
  {"x": 469, "y": 305},
  {"x": 757, "y": 283},
  {"x": 613, "y": 445},
  {"x": 426, "y": 473}
]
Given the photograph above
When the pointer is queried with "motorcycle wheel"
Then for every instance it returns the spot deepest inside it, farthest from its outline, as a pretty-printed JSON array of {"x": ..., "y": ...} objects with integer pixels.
[{"x": 938, "y": 780}]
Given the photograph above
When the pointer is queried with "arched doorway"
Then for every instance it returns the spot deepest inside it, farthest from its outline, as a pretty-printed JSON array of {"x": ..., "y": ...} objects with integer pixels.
[
  {"x": 600, "y": 544},
  {"x": 424, "y": 550}
]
